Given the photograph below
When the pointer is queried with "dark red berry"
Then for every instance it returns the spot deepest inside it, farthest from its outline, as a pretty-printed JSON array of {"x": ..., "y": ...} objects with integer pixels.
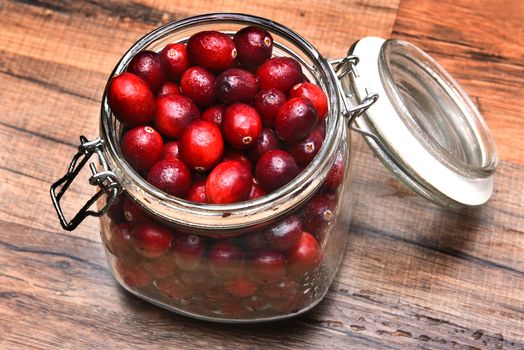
[
  {"x": 336, "y": 173},
  {"x": 131, "y": 99},
  {"x": 281, "y": 73},
  {"x": 241, "y": 125},
  {"x": 239, "y": 156},
  {"x": 175, "y": 61},
  {"x": 305, "y": 255},
  {"x": 253, "y": 241},
  {"x": 172, "y": 288},
  {"x": 133, "y": 212},
  {"x": 256, "y": 191},
  {"x": 287, "y": 289},
  {"x": 267, "y": 266},
  {"x": 189, "y": 250},
  {"x": 236, "y": 85},
  {"x": 201, "y": 145},
  {"x": 295, "y": 119},
  {"x": 147, "y": 65},
  {"x": 315, "y": 94},
  {"x": 142, "y": 147},
  {"x": 267, "y": 103},
  {"x": 161, "y": 267},
  {"x": 214, "y": 114},
  {"x": 198, "y": 84},
  {"x": 285, "y": 233},
  {"x": 132, "y": 274},
  {"x": 171, "y": 150},
  {"x": 268, "y": 140},
  {"x": 171, "y": 176},
  {"x": 211, "y": 49},
  {"x": 115, "y": 211},
  {"x": 197, "y": 192},
  {"x": 151, "y": 240},
  {"x": 319, "y": 211},
  {"x": 120, "y": 241},
  {"x": 173, "y": 114},
  {"x": 168, "y": 88},
  {"x": 229, "y": 182},
  {"x": 224, "y": 259},
  {"x": 306, "y": 149},
  {"x": 241, "y": 286},
  {"x": 254, "y": 46},
  {"x": 274, "y": 169}
]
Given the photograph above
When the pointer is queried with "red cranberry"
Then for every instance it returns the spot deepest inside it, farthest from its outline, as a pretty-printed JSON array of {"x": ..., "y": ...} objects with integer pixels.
[
  {"x": 286, "y": 289},
  {"x": 319, "y": 211},
  {"x": 236, "y": 85},
  {"x": 284, "y": 234},
  {"x": 172, "y": 288},
  {"x": 256, "y": 191},
  {"x": 171, "y": 150},
  {"x": 198, "y": 84},
  {"x": 274, "y": 169},
  {"x": 224, "y": 259},
  {"x": 168, "y": 88},
  {"x": 115, "y": 211},
  {"x": 253, "y": 241},
  {"x": 147, "y": 65},
  {"x": 239, "y": 156},
  {"x": 268, "y": 140},
  {"x": 133, "y": 212},
  {"x": 175, "y": 61},
  {"x": 133, "y": 275},
  {"x": 315, "y": 94},
  {"x": 241, "y": 125},
  {"x": 267, "y": 103},
  {"x": 173, "y": 114},
  {"x": 321, "y": 128},
  {"x": 197, "y": 192},
  {"x": 336, "y": 173},
  {"x": 142, "y": 147},
  {"x": 189, "y": 250},
  {"x": 214, "y": 114},
  {"x": 281, "y": 73},
  {"x": 306, "y": 149},
  {"x": 295, "y": 119},
  {"x": 240, "y": 287},
  {"x": 151, "y": 240},
  {"x": 305, "y": 255},
  {"x": 254, "y": 46},
  {"x": 121, "y": 240},
  {"x": 171, "y": 176},
  {"x": 131, "y": 99},
  {"x": 267, "y": 266},
  {"x": 211, "y": 49},
  {"x": 162, "y": 267},
  {"x": 229, "y": 182},
  {"x": 202, "y": 145}
]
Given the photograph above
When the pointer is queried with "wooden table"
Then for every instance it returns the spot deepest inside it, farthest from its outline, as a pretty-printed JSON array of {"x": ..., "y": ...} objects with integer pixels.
[{"x": 414, "y": 275}]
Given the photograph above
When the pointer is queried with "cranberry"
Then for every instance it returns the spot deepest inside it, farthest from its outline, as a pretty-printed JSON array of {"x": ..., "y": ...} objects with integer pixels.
[
  {"x": 197, "y": 192},
  {"x": 253, "y": 241},
  {"x": 256, "y": 191},
  {"x": 336, "y": 173},
  {"x": 162, "y": 267},
  {"x": 147, "y": 65},
  {"x": 268, "y": 140},
  {"x": 142, "y": 147},
  {"x": 211, "y": 49},
  {"x": 321, "y": 128},
  {"x": 240, "y": 287},
  {"x": 171, "y": 176},
  {"x": 201, "y": 145},
  {"x": 284, "y": 234},
  {"x": 132, "y": 275},
  {"x": 241, "y": 125},
  {"x": 172, "y": 288},
  {"x": 274, "y": 169},
  {"x": 214, "y": 114},
  {"x": 315, "y": 94},
  {"x": 133, "y": 212},
  {"x": 267, "y": 103},
  {"x": 319, "y": 211},
  {"x": 151, "y": 240},
  {"x": 267, "y": 266},
  {"x": 131, "y": 99},
  {"x": 198, "y": 84},
  {"x": 171, "y": 150},
  {"x": 239, "y": 156},
  {"x": 306, "y": 149},
  {"x": 236, "y": 85},
  {"x": 286, "y": 289},
  {"x": 295, "y": 119},
  {"x": 175, "y": 61},
  {"x": 281, "y": 73},
  {"x": 229, "y": 182},
  {"x": 189, "y": 250},
  {"x": 173, "y": 114},
  {"x": 224, "y": 259},
  {"x": 305, "y": 255},
  {"x": 121, "y": 240},
  {"x": 115, "y": 211},
  {"x": 168, "y": 88},
  {"x": 254, "y": 46},
  {"x": 256, "y": 302}
]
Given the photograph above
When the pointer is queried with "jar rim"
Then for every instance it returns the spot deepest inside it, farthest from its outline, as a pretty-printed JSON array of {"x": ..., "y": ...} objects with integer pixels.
[{"x": 224, "y": 217}]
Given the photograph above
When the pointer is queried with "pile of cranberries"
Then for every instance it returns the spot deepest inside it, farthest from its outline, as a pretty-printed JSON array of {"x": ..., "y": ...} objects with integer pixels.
[{"x": 219, "y": 120}]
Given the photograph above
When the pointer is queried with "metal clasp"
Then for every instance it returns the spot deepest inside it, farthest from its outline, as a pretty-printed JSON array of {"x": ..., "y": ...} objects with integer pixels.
[{"x": 104, "y": 179}]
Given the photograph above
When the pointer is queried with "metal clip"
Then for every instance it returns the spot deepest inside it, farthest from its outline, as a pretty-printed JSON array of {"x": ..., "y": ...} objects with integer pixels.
[
  {"x": 349, "y": 64},
  {"x": 105, "y": 179}
]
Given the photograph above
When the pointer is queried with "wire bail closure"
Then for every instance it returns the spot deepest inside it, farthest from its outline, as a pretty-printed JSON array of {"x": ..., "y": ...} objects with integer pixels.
[{"x": 104, "y": 179}]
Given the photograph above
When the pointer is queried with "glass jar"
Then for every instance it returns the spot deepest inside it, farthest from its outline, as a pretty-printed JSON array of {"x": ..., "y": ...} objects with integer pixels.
[{"x": 275, "y": 257}]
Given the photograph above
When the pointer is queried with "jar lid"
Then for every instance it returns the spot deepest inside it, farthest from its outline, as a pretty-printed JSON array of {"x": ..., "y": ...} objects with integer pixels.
[{"x": 423, "y": 127}]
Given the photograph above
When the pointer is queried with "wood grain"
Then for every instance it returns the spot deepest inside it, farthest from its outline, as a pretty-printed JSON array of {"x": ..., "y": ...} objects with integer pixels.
[{"x": 415, "y": 276}]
